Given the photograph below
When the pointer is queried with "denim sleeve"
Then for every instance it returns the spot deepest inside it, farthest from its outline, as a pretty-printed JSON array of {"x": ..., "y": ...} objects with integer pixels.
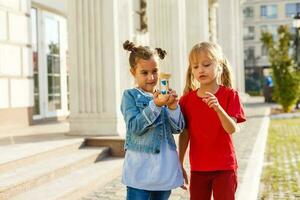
[
  {"x": 154, "y": 108},
  {"x": 176, "y": 120},
  {"x": 137, "y": 122}
]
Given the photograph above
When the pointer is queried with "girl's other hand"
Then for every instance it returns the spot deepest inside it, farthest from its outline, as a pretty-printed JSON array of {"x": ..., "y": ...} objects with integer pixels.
[
  {"x": 173, "y": 100},
  {"x": 160, "y": 100},
  {"x": 212, "y": 101},
  {"x": 186, "y": 180}
]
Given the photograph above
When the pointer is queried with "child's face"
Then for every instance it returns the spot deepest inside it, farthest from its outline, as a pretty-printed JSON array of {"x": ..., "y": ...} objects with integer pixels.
[
  {"x": 146, "y": 74},
  {"x": 204, "y": 69}
]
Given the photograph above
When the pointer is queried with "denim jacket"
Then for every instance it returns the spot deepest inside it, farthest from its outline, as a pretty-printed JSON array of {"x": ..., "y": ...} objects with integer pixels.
[{"x": 146, "y": 129}]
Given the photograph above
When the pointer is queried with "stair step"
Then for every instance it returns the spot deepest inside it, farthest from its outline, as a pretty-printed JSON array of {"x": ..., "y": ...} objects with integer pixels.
[
  {"x": 14, "y": 156},
  {"x": 78, "y": 183},
  {"x": 29, "y": 176}
]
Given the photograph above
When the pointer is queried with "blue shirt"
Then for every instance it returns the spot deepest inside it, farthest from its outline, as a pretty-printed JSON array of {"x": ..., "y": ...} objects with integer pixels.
[{"x": 154, "y": 172}]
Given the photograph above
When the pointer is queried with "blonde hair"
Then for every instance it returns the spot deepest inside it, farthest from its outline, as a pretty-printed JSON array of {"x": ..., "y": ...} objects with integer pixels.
[{"x": 215, "y": 53}]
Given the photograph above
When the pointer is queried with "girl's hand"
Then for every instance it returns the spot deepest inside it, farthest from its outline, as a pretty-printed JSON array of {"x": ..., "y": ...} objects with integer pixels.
[
  {"x": 173, "y": 100},
  {"x": 186, "y": 180},
  {"x": 212, "y": 101},
  {"x": 162, "y": 100}
]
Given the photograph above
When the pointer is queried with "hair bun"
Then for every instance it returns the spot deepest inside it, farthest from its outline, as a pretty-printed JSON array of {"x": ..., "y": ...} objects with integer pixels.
[
  {"x": 129, "y": 46},
  {"x": 161, "y": 53}
]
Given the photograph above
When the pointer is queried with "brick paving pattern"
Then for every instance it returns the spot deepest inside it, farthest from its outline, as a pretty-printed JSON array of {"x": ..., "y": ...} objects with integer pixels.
[{"x": 244, "y": 141}]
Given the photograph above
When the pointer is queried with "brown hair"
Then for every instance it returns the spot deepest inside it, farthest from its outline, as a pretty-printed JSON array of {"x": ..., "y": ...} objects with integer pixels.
[
  {"x": 215, "y": 53},
  {"x": 141, "y": 52}
]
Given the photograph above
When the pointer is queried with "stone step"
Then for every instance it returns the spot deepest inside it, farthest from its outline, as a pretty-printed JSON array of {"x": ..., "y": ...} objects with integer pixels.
[
  {"x": 78, "y": 183},
  {"x": 14, "y": 156},
  {"x": 27, "y": 177}
]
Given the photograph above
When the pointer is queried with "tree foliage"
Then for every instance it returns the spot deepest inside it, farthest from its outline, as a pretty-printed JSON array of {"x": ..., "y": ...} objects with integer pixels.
[{"x": 286, "y": 78}]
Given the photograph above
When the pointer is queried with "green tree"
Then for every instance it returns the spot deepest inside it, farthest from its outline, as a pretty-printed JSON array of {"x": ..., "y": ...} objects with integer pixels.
[{"x": 286, "y": 78}]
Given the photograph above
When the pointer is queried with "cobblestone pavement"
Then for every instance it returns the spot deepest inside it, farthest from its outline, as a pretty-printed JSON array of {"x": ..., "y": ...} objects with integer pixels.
[{"x": 243, "y": 140}]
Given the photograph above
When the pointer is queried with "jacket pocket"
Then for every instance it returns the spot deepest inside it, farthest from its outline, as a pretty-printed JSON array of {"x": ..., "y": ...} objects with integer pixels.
[{"x": 142, "y": 104}]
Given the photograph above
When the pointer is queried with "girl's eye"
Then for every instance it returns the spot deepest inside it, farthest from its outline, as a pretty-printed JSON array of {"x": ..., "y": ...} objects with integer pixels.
[
  {"x": 206, "y": 65},
  {"x": 195, "y": 66}
]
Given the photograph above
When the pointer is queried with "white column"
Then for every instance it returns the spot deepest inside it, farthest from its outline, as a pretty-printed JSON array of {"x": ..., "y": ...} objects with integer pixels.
[
  {"x": 166, "y": 22},
  {"x": 95, "y": 69},
  {"x": 213, "y": 13},
  {"x": 197, "y": 19},
  {"x": 240, "y": 79},
  {"x": 230, "y": 38},
  {"x": 127, "y": 33}
]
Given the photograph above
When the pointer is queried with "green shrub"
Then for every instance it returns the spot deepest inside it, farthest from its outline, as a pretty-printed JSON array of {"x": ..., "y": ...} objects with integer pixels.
[{"x": 286, "y": 78}]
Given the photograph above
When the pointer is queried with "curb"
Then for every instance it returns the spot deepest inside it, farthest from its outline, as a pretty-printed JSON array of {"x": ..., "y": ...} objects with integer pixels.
[{"x": 249, "y": 187}]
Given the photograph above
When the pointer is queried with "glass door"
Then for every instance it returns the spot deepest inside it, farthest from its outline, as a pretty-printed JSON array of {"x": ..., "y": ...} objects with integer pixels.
[
  {"x": 51, "y": 75},
  {"x": 55, "y": 48}
]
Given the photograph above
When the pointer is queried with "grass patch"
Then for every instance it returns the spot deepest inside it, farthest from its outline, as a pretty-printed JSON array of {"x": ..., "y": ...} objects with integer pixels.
[{"x": 281, "y": 174}]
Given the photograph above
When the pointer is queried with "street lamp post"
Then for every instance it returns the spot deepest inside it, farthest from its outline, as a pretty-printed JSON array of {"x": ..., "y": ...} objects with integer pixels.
[{"x": 296, "y": 25}]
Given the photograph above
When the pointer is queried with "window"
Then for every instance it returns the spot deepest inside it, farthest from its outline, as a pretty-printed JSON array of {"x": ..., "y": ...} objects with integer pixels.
[
  {"x": 291, "y": 9},
  {"x": 34, "y": 42},
  {"x": 49, "y": 51},
  {"x": 263, "y": 28},
  {"x": 249, "y": 33},
  {"x": 264, "y": 50},
  {"x": 248, "y": 12},
  {"x": 249, "y": 57},
  {"x": 268, "y": 11},
  {"x": 249, "y": 53},
  {"x": 271, "y": 29},
  {"x": 292, "y": 30}
]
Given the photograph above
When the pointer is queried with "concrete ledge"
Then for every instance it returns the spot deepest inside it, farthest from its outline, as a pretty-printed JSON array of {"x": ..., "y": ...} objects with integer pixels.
[
  {"x": 15, "y": 117},
  {"x": 285, "y": 115},
  {"x": 249, "y": 188},
  {"x": 116, "y": 144}
]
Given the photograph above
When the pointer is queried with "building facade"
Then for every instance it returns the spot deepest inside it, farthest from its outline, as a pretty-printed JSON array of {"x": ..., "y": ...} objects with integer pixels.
[
  {"x": 33, "y": 61},
  {"x": 65, "y": 58},
  {"x": 261, "y": 16}
]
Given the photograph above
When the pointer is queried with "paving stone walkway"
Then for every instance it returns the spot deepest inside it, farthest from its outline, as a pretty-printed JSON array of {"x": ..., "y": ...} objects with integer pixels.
[{"x": 243, "y": 140}]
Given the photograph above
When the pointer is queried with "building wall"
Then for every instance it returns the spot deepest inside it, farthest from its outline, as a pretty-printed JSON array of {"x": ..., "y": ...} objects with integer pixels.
[
  {"x": 260, "y": 59},
  {"x": 97, "y": 30},
  {"x": 95, "y": 106},
  {"x": 16, "y": 77},
  {"x": 58, "y": 6}
]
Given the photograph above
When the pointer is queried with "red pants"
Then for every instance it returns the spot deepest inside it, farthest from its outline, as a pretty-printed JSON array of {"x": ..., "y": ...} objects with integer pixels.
[{"x": 222, "y": 184}]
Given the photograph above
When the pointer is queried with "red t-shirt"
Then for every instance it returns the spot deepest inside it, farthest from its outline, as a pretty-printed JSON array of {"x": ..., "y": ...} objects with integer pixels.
[{"x": 211, "y": 147}]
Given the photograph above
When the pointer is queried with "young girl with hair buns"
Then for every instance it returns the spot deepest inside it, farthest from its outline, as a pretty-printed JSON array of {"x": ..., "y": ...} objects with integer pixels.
[{"x": 151, "y": 166}]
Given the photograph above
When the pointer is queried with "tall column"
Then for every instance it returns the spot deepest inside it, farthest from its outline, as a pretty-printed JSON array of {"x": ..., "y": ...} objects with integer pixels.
[
  {"x": 230, "y": 38},
  {"x": 197, "y": 22},
  {"x": 167, "y": 30},
  {"x": 213, "y": 13},
  {"x": 127, "y": 33},
  {"x": 95, "y": 69},
  {"x": 240, "y": 79}
]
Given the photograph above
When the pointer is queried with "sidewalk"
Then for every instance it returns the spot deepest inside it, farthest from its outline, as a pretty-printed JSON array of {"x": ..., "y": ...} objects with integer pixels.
[
  {"x": 247, "y": 142},
  {"x": 249, "y": 145}
]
